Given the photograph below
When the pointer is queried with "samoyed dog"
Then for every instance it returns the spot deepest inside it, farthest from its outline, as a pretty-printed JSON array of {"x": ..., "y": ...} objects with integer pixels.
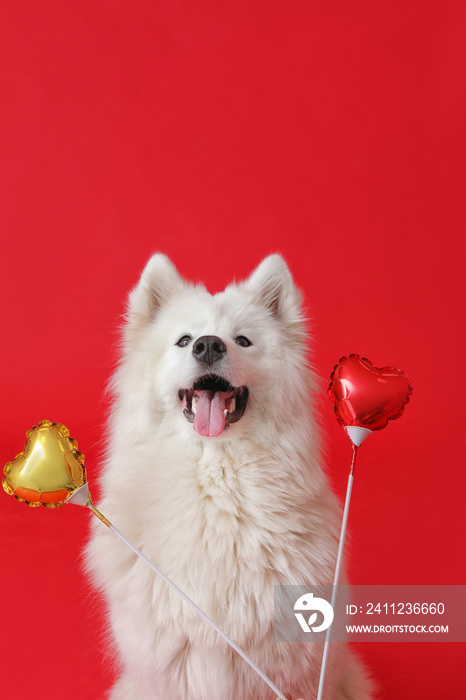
[{"x": 213, "y": 471}]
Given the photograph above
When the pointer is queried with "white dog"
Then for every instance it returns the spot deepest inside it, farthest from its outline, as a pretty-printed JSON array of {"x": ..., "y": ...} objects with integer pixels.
[{"x": 213, "y": 472}]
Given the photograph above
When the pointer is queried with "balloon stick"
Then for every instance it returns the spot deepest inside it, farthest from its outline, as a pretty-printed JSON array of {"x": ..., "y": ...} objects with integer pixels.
[
  {"x": 188, "y": 600},
  {"x": 336, "y": 577}
]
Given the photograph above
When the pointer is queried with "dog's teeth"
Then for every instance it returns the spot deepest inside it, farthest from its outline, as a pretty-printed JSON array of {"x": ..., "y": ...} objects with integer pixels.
[
  {"x": 232, "y": 405},
  {"x": 225, "y": 412},
  {"x": 194, "y": 404}
]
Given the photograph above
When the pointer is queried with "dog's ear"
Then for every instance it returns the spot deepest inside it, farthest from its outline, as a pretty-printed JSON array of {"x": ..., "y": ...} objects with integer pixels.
[
  {"x": 272, "y": 285},
  {"x": 159, "y": 281}
]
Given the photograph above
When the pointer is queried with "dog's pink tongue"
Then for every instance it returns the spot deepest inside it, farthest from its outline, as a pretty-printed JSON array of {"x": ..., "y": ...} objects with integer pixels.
[{"x": 210, "y": 417}]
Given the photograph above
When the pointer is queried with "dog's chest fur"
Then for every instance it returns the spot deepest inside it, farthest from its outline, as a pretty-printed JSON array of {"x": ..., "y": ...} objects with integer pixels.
[
  {"x": 216, "y": 521},
  {"x": 227, "y": 509}
]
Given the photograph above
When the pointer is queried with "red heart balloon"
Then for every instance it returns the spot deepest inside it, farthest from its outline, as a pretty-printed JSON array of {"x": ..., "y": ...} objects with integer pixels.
[{"x": 366, "y": 395}]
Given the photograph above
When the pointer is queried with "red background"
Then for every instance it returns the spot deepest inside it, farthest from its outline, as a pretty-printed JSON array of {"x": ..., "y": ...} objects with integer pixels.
[{"x": 217, "y": 133}]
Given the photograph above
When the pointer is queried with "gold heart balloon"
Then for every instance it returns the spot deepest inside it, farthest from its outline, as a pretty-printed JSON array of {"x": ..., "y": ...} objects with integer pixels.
[{"x": 48, "y": 470}]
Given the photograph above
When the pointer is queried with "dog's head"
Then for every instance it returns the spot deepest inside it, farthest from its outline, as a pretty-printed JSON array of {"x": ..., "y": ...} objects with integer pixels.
[{"x": 216, "y": 365}]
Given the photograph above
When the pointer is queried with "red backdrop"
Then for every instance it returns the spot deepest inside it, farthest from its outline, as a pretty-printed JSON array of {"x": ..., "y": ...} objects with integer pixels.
[{"x": 332, "y": 132}]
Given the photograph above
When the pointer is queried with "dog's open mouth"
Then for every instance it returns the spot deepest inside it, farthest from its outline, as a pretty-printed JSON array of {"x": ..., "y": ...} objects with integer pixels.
[{"x": 212, "y": 404}]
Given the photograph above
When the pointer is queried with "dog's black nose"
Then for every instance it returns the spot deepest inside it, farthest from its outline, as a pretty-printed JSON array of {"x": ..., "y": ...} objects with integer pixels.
[{"x": 209, "y": 349}]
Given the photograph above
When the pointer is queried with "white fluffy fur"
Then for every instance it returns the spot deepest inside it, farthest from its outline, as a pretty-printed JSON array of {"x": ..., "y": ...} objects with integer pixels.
[{"x": 225, "y": 518}]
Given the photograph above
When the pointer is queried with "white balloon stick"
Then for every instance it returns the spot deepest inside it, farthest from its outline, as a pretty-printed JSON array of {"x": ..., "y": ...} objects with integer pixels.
[
  {"x": 82, "y": 497},
  {"x": 357, "y": 441}
]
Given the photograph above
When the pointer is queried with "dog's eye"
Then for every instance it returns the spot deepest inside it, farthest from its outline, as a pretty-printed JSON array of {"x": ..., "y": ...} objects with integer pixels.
[
  {"x": 243, "y": 341},
  {"x": 184, "y": 341}
]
